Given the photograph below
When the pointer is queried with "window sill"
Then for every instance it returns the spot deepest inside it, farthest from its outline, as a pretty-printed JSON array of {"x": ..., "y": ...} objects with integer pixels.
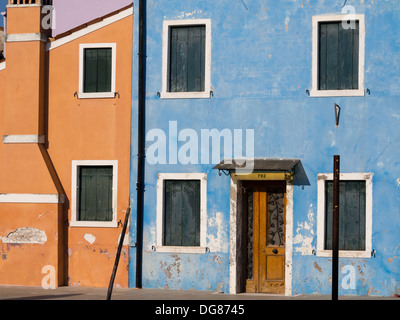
[
  {"x": 186, "y": 95},
  {"x": 166, "y": 249},
  {"x": 345, "y": 254},
  {"x": 93, "y": 224},
  {"x": 337, "y": 93},
  {"x": 97, "y": 95}
]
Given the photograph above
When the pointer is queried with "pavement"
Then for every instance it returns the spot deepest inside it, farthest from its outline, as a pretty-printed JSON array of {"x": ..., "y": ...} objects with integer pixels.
[{"x": 82, "y": 293}]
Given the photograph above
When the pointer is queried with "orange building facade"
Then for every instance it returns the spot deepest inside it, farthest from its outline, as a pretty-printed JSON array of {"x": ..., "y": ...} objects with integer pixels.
[{"x": 65, "y": 152}]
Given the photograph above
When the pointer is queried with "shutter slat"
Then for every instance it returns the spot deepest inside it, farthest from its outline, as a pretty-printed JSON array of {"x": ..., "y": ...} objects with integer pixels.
[
  {"x": 173, "y": 60},
  {"x": 356, "y": 45},
  {"x": 202, "y": 58},
  {"x": 322, "y": 57},
  {"x": 332, "y": 56},
  {"x": 328, "y": 214},
  {"x": 173, "y": 224},
  {"x": 181, "y": 60},
  {"x": 193, "y": 60},
  {"x": 90, "y": 76},
  {"x": 345, "y": 58}
]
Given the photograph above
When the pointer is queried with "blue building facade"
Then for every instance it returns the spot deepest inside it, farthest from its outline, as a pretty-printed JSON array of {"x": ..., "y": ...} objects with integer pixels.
[{"x": 290, "y": 84}]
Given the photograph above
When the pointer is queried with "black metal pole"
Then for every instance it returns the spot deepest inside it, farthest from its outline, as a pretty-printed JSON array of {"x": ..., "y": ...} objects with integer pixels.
[
  {"x": 335, "y": 232},
  {"x": 141, "y": 143},
  {"x": 121, "y": 242}
]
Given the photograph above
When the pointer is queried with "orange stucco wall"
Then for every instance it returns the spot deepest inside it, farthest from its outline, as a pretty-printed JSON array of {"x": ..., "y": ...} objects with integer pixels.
[
  {"x": 22, "y": 263},
  {"x": 76, "y": 129},
  {"x": 92, "y": 129},
  {"x": 23, "y": 167},
  {"x": 24, "y": 20},
  {"x": 24, "y": 87}
]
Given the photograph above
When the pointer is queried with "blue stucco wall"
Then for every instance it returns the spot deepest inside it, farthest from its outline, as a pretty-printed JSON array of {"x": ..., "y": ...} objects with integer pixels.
[{"x": 261, "y": 69}]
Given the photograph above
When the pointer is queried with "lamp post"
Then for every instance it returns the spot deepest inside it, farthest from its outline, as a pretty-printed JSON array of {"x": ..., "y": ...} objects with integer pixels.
[{"x": 335, "y": 226}]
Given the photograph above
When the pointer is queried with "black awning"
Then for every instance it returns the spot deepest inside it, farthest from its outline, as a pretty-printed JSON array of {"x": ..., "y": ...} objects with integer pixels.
[
  {"x": 274, "y": 165},
  {"x": 291, "y": 166}
]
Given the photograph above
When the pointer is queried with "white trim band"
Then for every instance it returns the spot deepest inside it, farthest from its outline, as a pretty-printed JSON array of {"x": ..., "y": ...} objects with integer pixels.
[
  {"x": 25, "y": 37},
  {"x": 167, "y": 249},
  {"x": 20, "y": 139},
  {"x": 23, "y": 5},
  {"x": 32, "y": 198}
]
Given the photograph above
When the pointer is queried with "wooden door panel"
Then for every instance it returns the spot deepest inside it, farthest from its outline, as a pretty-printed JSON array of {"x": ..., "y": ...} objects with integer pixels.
[
  {"x": 272, "y": 235},
  {"x": 268, "y": 241},
  {"x": 251, "y": 286},
  {"x": 275, "y": 266}
]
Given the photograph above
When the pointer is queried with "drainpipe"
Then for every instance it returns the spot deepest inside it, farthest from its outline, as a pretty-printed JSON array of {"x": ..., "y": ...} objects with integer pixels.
[
  {"x": 4, "y": 14},
  {"x": 141, "y": 142}
]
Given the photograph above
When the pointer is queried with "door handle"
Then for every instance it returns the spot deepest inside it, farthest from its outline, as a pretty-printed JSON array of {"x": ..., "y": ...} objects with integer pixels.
[{"x": 275, "y": 251}]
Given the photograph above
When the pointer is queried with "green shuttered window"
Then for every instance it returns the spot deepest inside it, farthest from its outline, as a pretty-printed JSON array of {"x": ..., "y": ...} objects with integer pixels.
[
  {"x": 187, "y": 59},
  {"x": 181, "y": 213},
  {"x": 95, "y": 193},
  {"x": 338, "y": 63},
  {"x": 97, "y": 70},
  {"x": 352, "y": 215}
]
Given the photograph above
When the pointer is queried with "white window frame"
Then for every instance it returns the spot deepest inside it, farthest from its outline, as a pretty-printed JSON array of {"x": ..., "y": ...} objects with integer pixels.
[
  {"x": 322, "y": 178},
  {"x": 165, "y": 60},
  {"x": 96, "y": 95},
  {"x": 360, "y": 92},
  {"x": 74, "y": 196},
  {"x": 202, "y": 177}
]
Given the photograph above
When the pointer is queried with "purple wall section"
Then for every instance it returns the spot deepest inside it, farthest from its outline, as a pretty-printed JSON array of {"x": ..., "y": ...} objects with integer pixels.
[{"x": 72, "y": 13}]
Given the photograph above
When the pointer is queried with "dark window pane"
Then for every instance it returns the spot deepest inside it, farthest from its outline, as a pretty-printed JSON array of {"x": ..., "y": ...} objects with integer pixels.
[
  {"x": 182, "y": 213},
  {"x": 352, "y": 212},
  {"x": 187, "y": 59},
  {"x": 338, "y": 56},
  {"x": 97, "y": 70},
  {"x": 95, "y": 193}
]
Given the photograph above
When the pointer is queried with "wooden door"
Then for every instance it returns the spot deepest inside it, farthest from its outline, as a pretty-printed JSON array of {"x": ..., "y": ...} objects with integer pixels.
[{"x": 266, "y": 240}]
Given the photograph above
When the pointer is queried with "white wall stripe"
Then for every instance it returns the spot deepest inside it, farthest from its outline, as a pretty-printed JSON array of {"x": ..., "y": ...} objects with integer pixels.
[
  {"x": 23, "y": 37},
  {"x": 19, "y": 139},
  {"x": 32, "y": 198}
]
